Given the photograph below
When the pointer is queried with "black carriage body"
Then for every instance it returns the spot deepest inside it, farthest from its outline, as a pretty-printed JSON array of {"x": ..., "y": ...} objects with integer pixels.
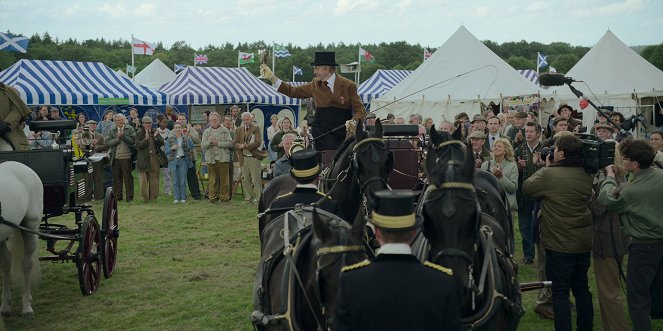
[{"x": 63, "y": 179}]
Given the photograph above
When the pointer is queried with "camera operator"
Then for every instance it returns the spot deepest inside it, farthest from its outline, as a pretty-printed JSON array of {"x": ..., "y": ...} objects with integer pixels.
[
  {"x": 566, "y": 227},
  {"x": 639, "y": 203}
]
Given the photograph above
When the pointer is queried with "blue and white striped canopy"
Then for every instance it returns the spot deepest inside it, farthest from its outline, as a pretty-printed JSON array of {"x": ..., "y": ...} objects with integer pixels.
[
  {"x": 216, "y": 86},
  {"x": 379, "y": 83},
  {"x": 75, "y": 83},
  {"x": 531, "y": 75}
]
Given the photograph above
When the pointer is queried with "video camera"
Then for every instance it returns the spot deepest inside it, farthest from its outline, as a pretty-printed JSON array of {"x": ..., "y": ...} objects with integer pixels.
[{"x": 596, "y": 154}]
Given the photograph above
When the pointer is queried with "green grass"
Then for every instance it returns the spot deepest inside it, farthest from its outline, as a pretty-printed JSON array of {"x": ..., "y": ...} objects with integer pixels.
[{"x": 179, "y": 267}]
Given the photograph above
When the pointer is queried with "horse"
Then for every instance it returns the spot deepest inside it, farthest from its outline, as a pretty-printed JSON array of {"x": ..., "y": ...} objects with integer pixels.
[
  {"x": 297, "y": 279},
  {"x": 360, "y": 166},
  {"x": 23, "y": 205},
  {"x": 461, "y": 236}
]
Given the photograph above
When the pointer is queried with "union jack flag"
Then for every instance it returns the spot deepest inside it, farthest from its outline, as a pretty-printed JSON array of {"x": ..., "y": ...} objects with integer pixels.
[{"x": 200, "y": 59}]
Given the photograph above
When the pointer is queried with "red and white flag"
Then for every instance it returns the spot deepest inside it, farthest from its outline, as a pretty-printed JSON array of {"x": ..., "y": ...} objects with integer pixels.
[
  {"x": 427, "y": 53},
  {"x": 142, "y": 47},
  {"x": 366, "y": 56}
]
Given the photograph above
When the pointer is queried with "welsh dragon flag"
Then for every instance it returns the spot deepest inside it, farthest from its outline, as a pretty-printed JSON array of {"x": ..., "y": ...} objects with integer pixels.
[
  {"x": 366, "y": 56},
  {"x": 245, "y": 58}
]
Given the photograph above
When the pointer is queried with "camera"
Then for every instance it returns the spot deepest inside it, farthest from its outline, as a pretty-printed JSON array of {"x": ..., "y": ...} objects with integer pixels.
[
  {"x": 548, "y": 151},
  {"x": 597, "y": 154}
]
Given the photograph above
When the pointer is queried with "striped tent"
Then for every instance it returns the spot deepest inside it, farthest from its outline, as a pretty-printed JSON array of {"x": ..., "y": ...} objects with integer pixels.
[
  {"x": 531, "y": 75},
  {"x": 379, "y": 83},
  {"x": 75, "y": 83},
  {"x": 216, "y": 86}
]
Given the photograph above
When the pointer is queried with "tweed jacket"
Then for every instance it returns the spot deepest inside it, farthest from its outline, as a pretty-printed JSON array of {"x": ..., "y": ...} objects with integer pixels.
[
  {"x": 101, "y": 146},
  {"x": 522, "y": 152},
  {"x": 344, "y": 95},
  {"x": 142, "y": 144},
  {"x": 221, "y": 151},
  {"x": 112, "y": 141},
  {"x": 13, "y": 111},
  {"x": 251, "y": 137}
]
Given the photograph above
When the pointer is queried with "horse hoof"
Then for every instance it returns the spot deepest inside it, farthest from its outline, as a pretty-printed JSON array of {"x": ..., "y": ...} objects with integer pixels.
[
  {"x": 28, "y": 314},
  {"x": 5, "y": 313}
]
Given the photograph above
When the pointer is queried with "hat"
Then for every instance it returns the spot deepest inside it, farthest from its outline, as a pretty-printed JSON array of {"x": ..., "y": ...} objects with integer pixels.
[
  {"x": 214, "y": 114},
  {"x": 370, "y": 115},
  {"x": 605, "y": 126},
  {"x": 297, "y": 146},
  {"x": 91, "y": 122},
  {"x": 304, "y": 164},
  {"x": 391, "y": 116},
  {"x": 324, "y": 58},
  {"x": 394, "y": 210},
  {"x": 559, "y": 110},
  {"x": 146, "y": 119},
  {"x": 559, "y": 119},
  {"x": 477, "y": 118},
  {"x": 520, "y": 114},
  {"x": 477, "y": 135}
]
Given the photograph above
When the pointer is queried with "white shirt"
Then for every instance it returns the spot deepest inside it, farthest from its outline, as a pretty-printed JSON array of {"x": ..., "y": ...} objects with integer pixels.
[
  {"x": 395, "y": 249},
  {"x": 491, "y": 138},
  {"x": 180, "y": 150}
]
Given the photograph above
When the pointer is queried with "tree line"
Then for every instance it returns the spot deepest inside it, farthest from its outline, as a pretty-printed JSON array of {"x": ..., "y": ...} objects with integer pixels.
[{"x": 394, "y": 55}]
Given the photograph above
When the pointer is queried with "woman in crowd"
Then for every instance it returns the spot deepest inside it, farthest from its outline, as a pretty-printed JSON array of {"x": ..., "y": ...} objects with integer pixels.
[
  {"x": 179, "y": 148},
  {"x": 43, "y": 114},
  {"x": 504, "y": 168},
  {"x": 271, "y": 131},
  {"x": 285, "y": 126},
  {"x": 304, "y": 131},
  {"x": 134, "y": 121},
  {"x": 428, "y": 122},
  {"x": 170, "y": 113},
  {"x": 163, "y": 131},
  {"x": 106, "y": 124},
  {"x": 80, "y": 121}
]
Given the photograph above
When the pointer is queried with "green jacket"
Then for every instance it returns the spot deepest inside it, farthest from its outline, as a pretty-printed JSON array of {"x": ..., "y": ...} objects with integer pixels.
[
  {"x": 112, "y": 141},
  {"x": 143, "y": 147},
  {"x": 522, "y": 153},
  {"x": 566, "y": 222},
  {"x": 221, "y": 151},
  {"x": 639, "y": 204}
]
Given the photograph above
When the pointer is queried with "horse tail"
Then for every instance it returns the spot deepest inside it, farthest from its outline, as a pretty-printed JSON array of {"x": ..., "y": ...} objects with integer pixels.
[{"x": 15, "y": 244}]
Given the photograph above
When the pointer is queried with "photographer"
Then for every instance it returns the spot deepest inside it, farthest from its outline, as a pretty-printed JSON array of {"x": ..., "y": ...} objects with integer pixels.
[
  {"x": 639, "y": 203},
  {"x": 566, "y": 228}
]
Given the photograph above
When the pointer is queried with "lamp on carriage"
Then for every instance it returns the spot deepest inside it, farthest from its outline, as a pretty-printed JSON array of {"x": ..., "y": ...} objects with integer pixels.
[
  {"x": 86, "y": 137},
  {"x": 55, "y": 136}
]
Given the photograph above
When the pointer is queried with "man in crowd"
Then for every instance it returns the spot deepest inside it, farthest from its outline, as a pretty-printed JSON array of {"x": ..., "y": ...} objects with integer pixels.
[
  {"x": 446, "y": 126},
  {"x": 639, "y": 203},
  {"x": 282, "y": 165},
  {"x": 216, "y": 144},
  {"x": 55, "y": 113},
  {"x": 479, "y": 123},
  {"x": 370, "y": 119},
  {"x": 235, "y": 119},
  {"x": 13, "y": 113},
  {"x": 120, "y": 140},
  {"x": 98, "y": 146},
  {"x": 516, "y": 133},
  {"x": 191, "y": 177},
  {"x": 656, "y": 142},
  {"x": 148, "y": 144},
  {"x": 416, "y": 119},
  {"x": 335, "y": 97},
  {"x": 481, "y": 153},
  {"x": 248, "y": 139},
  {"x": 528, "y": 156},
  {"x": 560, "y": 124},
  {"x": 494, "y": 126},
  {"x": 566, "y": 229},
  {"x": 604, "y": 132},
  {"x": 396, "y": 291},
  {"x": 565, "y": 111}
]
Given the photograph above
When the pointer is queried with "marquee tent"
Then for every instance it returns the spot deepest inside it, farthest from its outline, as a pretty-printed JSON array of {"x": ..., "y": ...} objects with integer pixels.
[
  {"x": 379, "y": 83},
  {"x": 613, "y": 75},
  {"x": 155, "y": 75},
  {"x": 215, "y": 86},
  {"x": 459, "y": 76},
  {"x": 75, "y": 83}
]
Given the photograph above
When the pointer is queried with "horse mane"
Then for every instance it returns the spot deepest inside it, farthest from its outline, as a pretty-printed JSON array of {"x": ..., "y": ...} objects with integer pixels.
[{"x": 343, "y": 147}]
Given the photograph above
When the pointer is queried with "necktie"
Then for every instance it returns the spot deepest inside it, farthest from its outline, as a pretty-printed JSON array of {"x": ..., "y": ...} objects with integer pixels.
[
  {"x": 492, "y": 138},
  {"x": 326, "y": 83}
]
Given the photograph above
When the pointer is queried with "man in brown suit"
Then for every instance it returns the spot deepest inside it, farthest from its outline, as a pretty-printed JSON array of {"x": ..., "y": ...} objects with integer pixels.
[
  {"x": 13, "y": 113},
  {"x": 248, "y": 138},
  {"x": 97, "y": 176},
  {"x": 120, "y": 140},
  {"x": 148, "y": 144},
  {"x": 335, "y": 97}
]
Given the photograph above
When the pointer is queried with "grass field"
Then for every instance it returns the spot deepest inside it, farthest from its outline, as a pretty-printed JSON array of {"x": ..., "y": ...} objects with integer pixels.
[{"x": 179, "y": 267}]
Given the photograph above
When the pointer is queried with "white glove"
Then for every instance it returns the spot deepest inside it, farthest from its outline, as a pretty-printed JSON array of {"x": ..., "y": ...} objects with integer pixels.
[{"x": 265, "y": 72}]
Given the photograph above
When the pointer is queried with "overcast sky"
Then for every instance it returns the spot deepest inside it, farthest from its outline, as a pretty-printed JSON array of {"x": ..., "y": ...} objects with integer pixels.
[{"x": 309, "y": 22}]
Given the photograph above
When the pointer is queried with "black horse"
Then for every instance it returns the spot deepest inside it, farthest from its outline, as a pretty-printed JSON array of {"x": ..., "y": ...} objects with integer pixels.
[
  {"x": 297, "y": 281},
  {"x": 475, "y": 244}
]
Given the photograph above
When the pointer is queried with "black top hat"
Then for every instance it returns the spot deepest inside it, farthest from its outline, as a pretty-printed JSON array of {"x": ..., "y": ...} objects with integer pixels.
[
  {"x": 305, "y": 165},
  {"x": 394, "y": 210},
  {"x": 324, "y": 58}
]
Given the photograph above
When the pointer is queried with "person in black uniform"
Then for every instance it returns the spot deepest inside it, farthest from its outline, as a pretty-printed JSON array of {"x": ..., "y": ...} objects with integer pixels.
[
  {"x": 396, "y": 291},
  {"x": 305, "y": 170}
]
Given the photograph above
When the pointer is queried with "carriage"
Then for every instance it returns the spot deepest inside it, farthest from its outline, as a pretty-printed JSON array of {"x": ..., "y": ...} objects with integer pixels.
[{"x": 63, "y": 176}]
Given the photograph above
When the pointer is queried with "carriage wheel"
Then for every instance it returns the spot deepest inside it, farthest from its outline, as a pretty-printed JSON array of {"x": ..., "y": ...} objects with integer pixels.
[
  {"x": 88, "y": 258},
  {"x": 109, "y": 233}
]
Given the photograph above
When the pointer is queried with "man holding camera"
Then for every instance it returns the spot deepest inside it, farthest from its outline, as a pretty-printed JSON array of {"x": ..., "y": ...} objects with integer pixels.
[
  {"x": 639, "y": 203},
  {"x": 566, "y": 229}
]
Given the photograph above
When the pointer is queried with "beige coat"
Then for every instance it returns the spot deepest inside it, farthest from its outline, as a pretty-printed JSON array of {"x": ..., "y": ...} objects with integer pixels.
[
  {"x": 14, "y": 111},
  {"x": 221, "y": 151}
]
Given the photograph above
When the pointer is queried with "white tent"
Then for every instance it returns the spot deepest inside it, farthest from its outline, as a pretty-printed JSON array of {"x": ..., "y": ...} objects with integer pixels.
[
  {"x": 459, "y": 76},
  {"x": 155, "y": 75},
  {"x": 613, "y": 75}
]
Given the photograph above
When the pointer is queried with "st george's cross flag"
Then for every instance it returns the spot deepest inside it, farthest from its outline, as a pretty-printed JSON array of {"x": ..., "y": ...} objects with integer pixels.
[
  {"x": 12, "y": 43},
  {"x": 142, "y": 47}
]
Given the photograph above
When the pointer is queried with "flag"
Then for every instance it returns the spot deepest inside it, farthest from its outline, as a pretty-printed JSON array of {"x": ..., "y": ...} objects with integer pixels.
[
  {"x": 541, "y": 62},
  {"x": 552, "y": 69},
  {"x": 131, "y": 69},
  {"x": 200, "y": 59},
  {"x": 245, "y": 58},
  {"x": 281, "y": 51},
  {"x": 367, "y": 56},
  {"x": 178, "y": 67},
  {"x": 142, "y": 47},
  {"x": 11, "y": 43},
  {"x": 427, "y": 54},
  {"x": 297, "y": 71}
]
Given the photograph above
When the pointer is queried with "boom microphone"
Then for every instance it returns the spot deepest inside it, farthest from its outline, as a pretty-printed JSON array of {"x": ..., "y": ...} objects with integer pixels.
[{"x": 554, "y": 79}]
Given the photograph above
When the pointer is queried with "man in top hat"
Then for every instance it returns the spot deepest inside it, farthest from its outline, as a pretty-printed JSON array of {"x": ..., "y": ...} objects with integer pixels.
[
  {"x": 148, "y": 144},
  {"x": 516, "y": 133},
  {"x": 13, "y": 113},
  {"x": 335, "y": 97},
  {"x": 396, "y": 291},
  {"x": 305, "y": 170}
]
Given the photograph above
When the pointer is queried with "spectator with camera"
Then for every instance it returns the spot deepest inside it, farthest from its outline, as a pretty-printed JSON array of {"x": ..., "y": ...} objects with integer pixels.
[
  {"x": 639, "y": 203},
  {"x": 566, "y": 228}
]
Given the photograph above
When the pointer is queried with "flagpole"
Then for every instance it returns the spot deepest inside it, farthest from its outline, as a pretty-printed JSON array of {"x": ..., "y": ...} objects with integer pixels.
[
  {"x": 293, "y": 74},
  {"x": 273, "y": 61},
  {"x": 194, "y": 59},
  {"x": 358, "y": 73},
  {"x": 133, "y": 71},
  {"x": 538, "y": 55}
]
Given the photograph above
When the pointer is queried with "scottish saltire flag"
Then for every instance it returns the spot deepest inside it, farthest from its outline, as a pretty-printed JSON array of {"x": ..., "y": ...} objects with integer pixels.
[
  {"x": 297, "y": 71},
  {"x": 131, "y": 69},
  {"x": 281, "y": 51},
  {"x": 178, "y": 67},
  {"x": 200, "y": 59},
  {"x": 12, "y": 43},
  {"x": 542, "y": 61}
]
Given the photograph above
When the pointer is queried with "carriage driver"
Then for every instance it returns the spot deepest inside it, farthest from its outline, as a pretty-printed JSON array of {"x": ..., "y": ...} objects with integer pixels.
[
  {"x": 13, "y": 113},
  {"x": 335, "y": 97},
  {"x": 396, "y": 291},
  {"x": 305, "y": 170}
]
